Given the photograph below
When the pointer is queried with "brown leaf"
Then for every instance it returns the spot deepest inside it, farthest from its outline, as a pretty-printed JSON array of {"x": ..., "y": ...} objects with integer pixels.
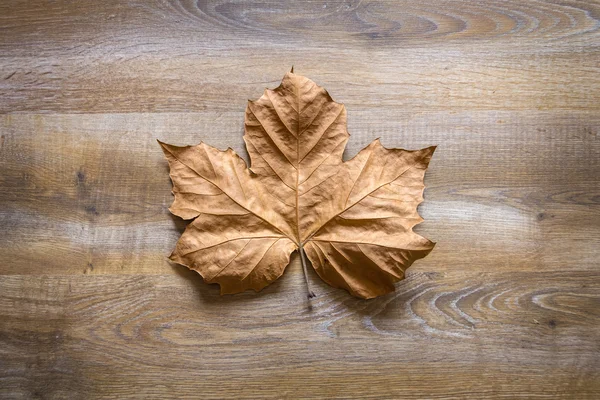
[{"x": 354, "y": 219}]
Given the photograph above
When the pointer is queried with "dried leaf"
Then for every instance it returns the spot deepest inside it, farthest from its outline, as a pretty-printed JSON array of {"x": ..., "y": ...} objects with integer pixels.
[{"x": 353, "y": 219}]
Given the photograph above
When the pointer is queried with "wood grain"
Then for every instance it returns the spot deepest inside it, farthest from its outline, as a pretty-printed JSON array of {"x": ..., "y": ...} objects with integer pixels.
[{"x": 506, "y": 306}]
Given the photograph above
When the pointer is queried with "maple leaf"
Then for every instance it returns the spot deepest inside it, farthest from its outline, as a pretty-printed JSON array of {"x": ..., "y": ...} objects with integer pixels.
[{"x": 353, "y": 219}]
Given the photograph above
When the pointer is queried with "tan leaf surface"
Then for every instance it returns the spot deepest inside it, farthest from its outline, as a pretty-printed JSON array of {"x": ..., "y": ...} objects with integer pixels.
[{"x": 353, "y": 219}]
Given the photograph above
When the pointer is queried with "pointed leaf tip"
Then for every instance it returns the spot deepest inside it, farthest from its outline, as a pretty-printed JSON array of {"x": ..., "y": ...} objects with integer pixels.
[
  {"x": 162, "y": 145},
  {"x": 431, "y": 150}
]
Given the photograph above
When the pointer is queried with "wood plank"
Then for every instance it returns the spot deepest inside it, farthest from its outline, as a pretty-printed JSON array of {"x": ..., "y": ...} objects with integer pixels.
[
  {"x": 96, "y": 336},
  {"x": 58, "y": 27},
  {"x": 412, "y": 80},
  {"x": 89, "y": 193}
]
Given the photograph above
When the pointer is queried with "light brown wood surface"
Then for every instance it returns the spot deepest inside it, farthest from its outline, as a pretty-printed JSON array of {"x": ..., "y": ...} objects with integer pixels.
[{"x": 506, "y": 306}]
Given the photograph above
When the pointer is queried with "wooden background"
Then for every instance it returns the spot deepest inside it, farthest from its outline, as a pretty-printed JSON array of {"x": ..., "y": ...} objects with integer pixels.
[{"x": 506, "y": 306}]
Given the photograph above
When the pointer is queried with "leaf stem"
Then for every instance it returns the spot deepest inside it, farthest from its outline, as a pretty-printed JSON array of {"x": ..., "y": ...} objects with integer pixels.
[{"x": 310, "y": 294}]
